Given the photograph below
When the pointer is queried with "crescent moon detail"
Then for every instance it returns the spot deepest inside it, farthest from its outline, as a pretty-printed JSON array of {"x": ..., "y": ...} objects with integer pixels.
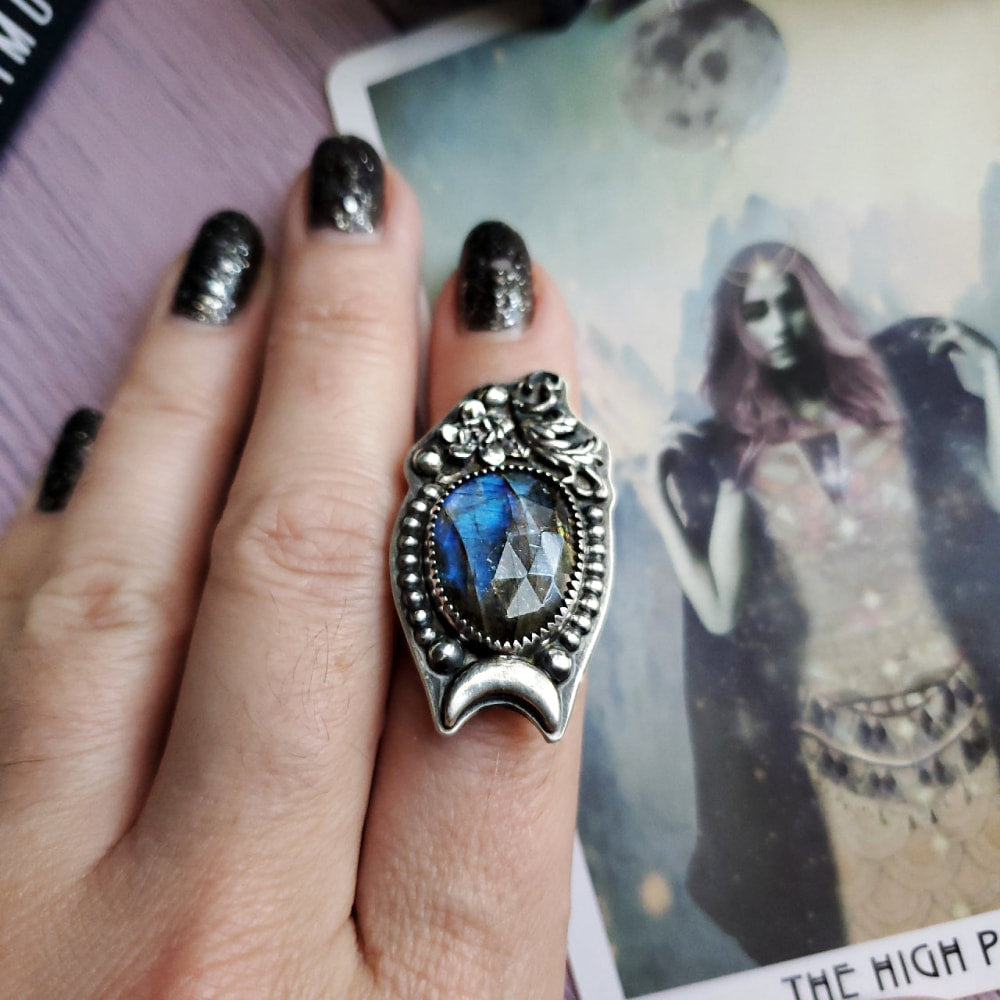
[{"x": 501, "y": 681}]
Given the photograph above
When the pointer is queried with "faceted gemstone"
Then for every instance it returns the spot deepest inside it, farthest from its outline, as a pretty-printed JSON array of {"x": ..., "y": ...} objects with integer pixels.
[{"x": 504, "y": 552}]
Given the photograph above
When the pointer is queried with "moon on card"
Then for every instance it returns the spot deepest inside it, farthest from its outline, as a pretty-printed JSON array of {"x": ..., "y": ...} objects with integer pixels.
[{"x": 704, "y": 74}]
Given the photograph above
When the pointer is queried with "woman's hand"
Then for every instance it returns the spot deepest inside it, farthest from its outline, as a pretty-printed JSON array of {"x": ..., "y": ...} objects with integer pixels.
[
  {"x": 218, "y": 775},
  {"x": 956, "y": 339},
  {"x": 949, "y": 337}
]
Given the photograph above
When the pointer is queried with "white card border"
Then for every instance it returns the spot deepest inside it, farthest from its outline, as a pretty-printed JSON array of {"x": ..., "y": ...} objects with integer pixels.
[
  {"x": 348, "y": 80},
  {"x": 592, "y": 962}
]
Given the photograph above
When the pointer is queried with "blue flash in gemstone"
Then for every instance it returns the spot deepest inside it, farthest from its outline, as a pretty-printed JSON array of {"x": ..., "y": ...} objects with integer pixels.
[{"x": 504, "y": 552}]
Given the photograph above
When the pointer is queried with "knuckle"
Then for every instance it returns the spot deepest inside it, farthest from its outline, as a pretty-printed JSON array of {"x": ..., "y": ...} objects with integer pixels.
[
  {"x": 154, "y": 390},
  {"x": 309, "y": 541},
  {"x": 355, "y": 323},
  {"x": 351, "y": 310},
  {"x": 101, "y": 596}
]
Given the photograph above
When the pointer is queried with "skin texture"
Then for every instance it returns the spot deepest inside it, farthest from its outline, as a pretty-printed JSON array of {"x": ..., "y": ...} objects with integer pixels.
[{"x": 218, "y": 776}]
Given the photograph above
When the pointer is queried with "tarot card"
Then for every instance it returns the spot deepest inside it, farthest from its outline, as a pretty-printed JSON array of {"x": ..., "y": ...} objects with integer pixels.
[{"x": 778, "y": 227}]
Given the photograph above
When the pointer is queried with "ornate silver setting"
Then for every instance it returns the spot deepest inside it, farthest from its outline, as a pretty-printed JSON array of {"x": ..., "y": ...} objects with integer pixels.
[{"x": 521, "y": 429}]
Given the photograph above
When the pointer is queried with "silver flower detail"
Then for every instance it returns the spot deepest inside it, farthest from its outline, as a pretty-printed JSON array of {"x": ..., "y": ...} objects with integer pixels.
[{"x": 475, "y": 431}]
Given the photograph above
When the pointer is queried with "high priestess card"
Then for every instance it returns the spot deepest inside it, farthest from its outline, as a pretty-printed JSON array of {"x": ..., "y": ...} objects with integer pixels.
[{"x": 778, "y": 227}]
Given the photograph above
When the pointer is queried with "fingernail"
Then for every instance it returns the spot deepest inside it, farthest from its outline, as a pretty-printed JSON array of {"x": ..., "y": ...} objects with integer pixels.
[
  {"x": 346, "y": 186},
  {"x": 68, "y": 459},
  {"x": 494, "y": 280},
  {"x": 221, "y": 269}
]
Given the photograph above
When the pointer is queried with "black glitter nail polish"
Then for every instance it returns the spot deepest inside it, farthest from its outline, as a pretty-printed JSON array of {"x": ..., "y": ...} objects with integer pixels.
[
  {"x": 221, "y": 269},
  {"x": 68, "y": 459},
  {"x": 494, "y": 279},
  {"x": 346, "y": 186}
]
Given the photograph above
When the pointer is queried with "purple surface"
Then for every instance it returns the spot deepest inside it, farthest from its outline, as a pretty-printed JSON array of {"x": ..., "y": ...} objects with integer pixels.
[{"x": 158, "y": 115}]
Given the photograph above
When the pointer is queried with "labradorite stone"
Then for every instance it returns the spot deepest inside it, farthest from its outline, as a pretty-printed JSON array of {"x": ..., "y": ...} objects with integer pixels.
[{"x": 504, "y": 552}]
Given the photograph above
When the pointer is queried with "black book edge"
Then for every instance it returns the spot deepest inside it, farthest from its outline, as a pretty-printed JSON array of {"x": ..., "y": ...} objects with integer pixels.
[{"x": 33, "y": 35}]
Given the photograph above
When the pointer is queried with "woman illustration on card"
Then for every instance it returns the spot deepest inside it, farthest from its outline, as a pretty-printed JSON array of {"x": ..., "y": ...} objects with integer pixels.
[{"x": 834, "y": 529}]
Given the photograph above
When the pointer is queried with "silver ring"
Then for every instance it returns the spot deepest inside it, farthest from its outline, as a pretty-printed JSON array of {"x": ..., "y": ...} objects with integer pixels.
[{"x": 501, "y": 555}]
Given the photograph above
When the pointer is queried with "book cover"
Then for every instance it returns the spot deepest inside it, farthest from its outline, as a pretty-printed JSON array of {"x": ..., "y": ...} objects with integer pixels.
[{"x": 33, "y": 34}]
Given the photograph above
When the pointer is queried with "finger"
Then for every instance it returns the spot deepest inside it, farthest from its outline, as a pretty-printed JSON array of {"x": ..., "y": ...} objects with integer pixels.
[
  {"x": 96, "y": 660},
  {"x": 282, "y": 703},
  {"x": 498, "y": 318},
  {"x": 466, "y": 864}
]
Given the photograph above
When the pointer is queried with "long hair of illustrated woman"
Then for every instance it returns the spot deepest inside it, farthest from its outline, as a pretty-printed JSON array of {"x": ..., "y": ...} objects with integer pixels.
[{"x": 737, "y": 384}]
